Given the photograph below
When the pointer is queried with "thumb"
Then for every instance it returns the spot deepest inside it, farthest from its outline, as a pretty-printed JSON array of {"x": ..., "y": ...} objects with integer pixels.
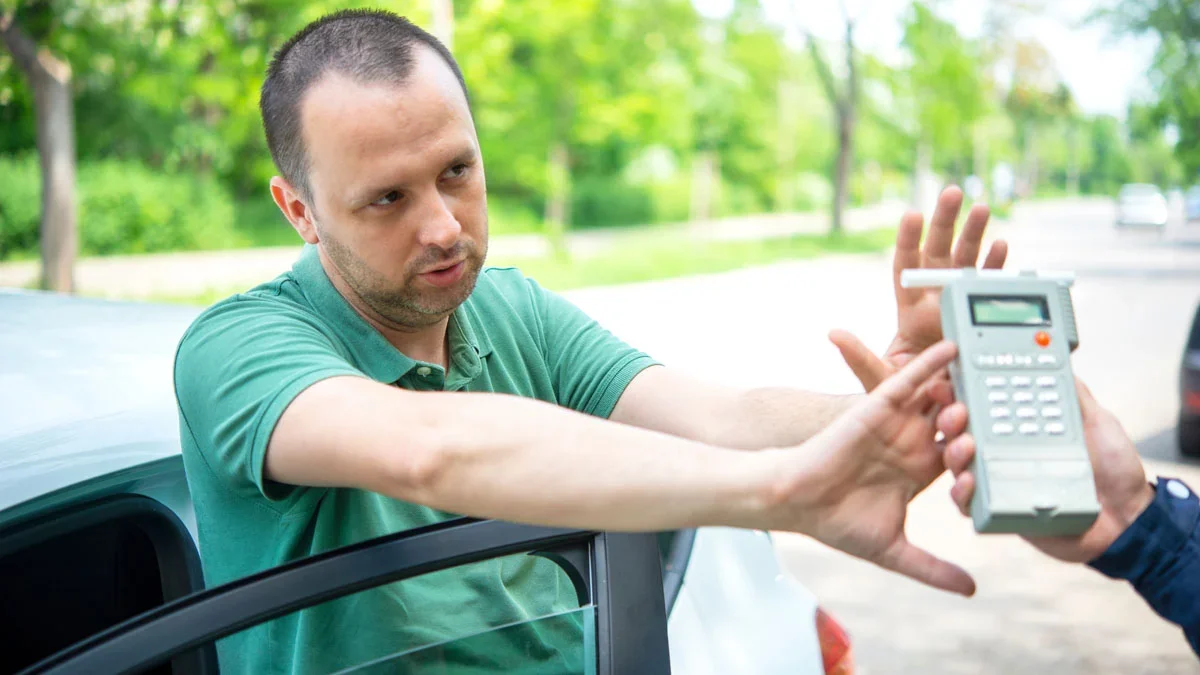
[
  {"x": 921, "y": 565},
  {"x": 1088, "y": 406},
  {"x": 868, "y": 368}
]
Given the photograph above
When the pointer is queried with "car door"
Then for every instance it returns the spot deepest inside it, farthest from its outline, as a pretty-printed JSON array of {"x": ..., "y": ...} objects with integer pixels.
[{"x": 619, "y": 623}]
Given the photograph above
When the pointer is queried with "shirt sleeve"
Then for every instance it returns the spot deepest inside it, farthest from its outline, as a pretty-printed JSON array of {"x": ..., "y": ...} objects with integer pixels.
[
  {"x": 1159, "y": 554},
  {"x": 237, "y": 369},
  {"x": 589, "y": 366}
]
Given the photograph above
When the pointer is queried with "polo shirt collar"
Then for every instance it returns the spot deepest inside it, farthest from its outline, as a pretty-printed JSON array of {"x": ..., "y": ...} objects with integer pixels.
[{"x": 369, "y": 349}]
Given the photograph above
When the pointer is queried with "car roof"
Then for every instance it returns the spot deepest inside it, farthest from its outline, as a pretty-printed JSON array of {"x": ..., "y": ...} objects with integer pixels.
[{"x": 85, "y": 388}]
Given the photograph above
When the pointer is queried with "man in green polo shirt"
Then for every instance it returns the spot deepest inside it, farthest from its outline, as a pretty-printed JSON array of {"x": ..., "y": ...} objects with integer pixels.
[{"x": 389, "y": 381}]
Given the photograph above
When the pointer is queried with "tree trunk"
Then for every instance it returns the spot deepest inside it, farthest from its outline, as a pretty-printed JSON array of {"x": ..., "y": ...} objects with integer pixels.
[
  {"x": 979, "y": 147},
  {"x": 50, "y": 79},
  {"x": 841, "y": 170},
  {"x": 1031, "y": 163},
  {"x": 557, "y": 196},
  {"x": 922, "y": 170},
  {"x": 443, "y": 22},
  {"x": 1072, "y": 160},
  {"x": 785, "y": 187},
  {"x": 703, "y": 179}
]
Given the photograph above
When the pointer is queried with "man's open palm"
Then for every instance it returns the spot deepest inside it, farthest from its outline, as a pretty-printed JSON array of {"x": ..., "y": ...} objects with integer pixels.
[
  {"x": 918, "y": 310},
  {"x": 868, "y": 465}
]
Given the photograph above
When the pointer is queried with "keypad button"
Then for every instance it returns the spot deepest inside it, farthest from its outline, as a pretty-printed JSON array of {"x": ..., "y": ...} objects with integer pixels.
[
  {"x": 1047, "y": 381},
  {"x": 1053, "y": 412},
  {"x": 1020, "y": 381},
  {"x": 1056, "y": 428},
  {"x": 1022, "y": 397},
  {"x": 998, "y": 413},
  {"x": 1028, "y": 429},
  {"x": 996, "y": 381},
  {"x": 1047, "y": 360},
  {"x": 998, "y": 396},
  {"x": 1025, "y": 360},
  {"x": 1048, "y": 396},
  {"x": 1002, "y": 428},
  {"x": 1026, "y": 413},
  {"x": 985, "y": 360}
]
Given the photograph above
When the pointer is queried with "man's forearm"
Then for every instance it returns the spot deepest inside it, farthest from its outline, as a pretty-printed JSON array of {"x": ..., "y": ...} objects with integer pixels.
[
  {"x": 499, "y": 456},
  {"x": 517, "y": 459},
  {"x": 778, "y": 417}
]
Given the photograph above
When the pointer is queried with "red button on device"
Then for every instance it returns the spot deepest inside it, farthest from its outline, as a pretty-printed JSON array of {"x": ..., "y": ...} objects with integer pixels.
[{"x": 1042, "y": 338}]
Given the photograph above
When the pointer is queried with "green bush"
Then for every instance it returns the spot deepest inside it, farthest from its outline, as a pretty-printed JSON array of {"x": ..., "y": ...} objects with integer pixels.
[
  {"x": 605, "y": 202},
  {"x": 510, "y": 215},
  {"x": 124, "y": 207},
  {"x": 20, "y": 205}
]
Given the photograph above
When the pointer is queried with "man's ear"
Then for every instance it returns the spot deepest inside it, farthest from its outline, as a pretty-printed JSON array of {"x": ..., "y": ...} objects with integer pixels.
[{"x": 298, "y": 213}]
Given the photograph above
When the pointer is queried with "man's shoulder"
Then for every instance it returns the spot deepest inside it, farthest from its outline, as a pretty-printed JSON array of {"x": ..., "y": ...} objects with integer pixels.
[
  {"x": 269, "y": 304},
  {"x": 504, "y": 289}
]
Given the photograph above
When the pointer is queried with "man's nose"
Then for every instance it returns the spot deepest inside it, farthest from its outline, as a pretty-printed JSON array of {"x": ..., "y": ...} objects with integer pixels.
[{"x": 439, "y": 227}]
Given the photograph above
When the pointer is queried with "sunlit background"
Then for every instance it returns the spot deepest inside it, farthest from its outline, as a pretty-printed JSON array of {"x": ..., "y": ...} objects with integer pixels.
[
  {"x": 598, "y": 114},
  {"x": 775, "y": 142}
]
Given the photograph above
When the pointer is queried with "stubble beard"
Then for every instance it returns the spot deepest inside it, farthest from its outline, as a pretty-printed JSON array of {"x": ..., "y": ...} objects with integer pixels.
[{"x": 410, "y": 305}]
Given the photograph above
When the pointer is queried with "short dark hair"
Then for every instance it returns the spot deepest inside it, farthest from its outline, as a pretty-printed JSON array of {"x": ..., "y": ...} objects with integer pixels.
[{"x": 369, "y": 46}]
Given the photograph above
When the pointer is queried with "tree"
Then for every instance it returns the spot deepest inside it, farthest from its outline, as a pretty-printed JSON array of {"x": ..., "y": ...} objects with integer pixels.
[
  {"x": 563, "y": 90},
  {"x": 1176, "y": 25},
  {"x": 945, "y": 84},
  {"x": 49, "y": 76},
  {"x": 1033, "y": 99},
  {"x": 843, "y": 98}
]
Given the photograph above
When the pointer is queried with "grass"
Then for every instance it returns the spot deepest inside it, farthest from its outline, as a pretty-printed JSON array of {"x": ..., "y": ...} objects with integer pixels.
[
  {"x": 665, "y": 259},
  {"x": 654, "y": 258}
]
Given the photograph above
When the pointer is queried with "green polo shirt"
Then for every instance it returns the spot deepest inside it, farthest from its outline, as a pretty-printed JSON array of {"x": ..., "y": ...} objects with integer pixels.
[{"x": 246, "y": 358}]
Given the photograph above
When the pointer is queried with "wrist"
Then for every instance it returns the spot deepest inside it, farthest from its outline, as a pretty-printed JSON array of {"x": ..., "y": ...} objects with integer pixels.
[
  {"x": 771, "y": 486},
  {"x": 1129, "y": 511}
]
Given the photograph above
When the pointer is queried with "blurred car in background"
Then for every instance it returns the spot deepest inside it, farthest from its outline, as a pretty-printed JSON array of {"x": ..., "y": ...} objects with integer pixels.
[
  {"x": 1191, "y": 204},
  {"x": 1189, "y": 393},
  {"x": 1142, "y": 205},
  {"x": 97, "y": 524}
]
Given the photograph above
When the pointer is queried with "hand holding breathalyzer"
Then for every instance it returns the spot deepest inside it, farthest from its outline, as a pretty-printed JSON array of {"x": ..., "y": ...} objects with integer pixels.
[{"x": 1121, "y": 485}]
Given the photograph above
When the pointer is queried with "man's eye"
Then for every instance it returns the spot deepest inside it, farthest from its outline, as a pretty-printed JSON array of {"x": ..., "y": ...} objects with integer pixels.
[
  {"x": 390, "y": 198},
  {"x": 456, "y": 171}
]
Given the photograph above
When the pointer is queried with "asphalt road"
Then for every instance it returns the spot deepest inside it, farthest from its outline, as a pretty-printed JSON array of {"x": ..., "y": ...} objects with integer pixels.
[{"x": 1134, "y": 298}]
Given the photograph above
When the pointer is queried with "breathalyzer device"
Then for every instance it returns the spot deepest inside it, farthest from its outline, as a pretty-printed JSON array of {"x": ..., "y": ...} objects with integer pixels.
[{"x": 1015, "y": 332}]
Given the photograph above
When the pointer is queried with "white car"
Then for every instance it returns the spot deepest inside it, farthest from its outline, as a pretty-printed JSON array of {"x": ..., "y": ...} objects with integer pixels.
[
  {"x": 1143, "y": 205},
  {"x": 101, "y": 569}
]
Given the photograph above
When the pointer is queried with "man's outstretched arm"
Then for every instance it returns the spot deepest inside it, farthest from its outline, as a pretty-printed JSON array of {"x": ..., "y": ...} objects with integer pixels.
[{"x": 500, "y": 456}]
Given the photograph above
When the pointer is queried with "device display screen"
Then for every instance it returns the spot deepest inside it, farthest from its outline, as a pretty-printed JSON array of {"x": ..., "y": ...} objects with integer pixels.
[{"x": 1009, "y": 310}]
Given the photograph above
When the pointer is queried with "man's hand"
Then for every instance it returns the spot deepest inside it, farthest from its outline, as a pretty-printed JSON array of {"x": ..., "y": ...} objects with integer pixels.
[
  {"x": 1120, "y": 479},
  {"x": 918, "y": 310},
  {"x": 854, "y": 480}
]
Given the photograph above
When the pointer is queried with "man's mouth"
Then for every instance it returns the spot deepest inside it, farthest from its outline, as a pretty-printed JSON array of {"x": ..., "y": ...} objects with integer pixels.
[{"x": 445, "y": 274}]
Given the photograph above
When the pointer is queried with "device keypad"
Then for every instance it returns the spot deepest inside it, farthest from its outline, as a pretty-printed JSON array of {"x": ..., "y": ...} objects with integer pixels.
[{"x": 1025, "y": 405}]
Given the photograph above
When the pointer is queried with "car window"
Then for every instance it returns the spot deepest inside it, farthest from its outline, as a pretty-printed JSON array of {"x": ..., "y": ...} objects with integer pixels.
[
  {"x": 579, "y": 657},
  {"x": 674, "y": 552},
  {"x": 459, "y": 620},
  {"x": 384, "y": 605}
]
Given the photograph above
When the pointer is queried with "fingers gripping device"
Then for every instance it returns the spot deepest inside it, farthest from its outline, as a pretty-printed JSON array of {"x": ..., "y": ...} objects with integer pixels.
[{"x": 1015, "y": 332}]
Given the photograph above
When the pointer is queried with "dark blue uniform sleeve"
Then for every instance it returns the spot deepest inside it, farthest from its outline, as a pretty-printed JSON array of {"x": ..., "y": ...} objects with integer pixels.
[{"x": 1160, "y": 556}]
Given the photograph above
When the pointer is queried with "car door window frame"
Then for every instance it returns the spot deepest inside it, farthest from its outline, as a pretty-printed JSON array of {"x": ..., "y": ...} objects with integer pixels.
[{"x": 619, "y": 573}]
